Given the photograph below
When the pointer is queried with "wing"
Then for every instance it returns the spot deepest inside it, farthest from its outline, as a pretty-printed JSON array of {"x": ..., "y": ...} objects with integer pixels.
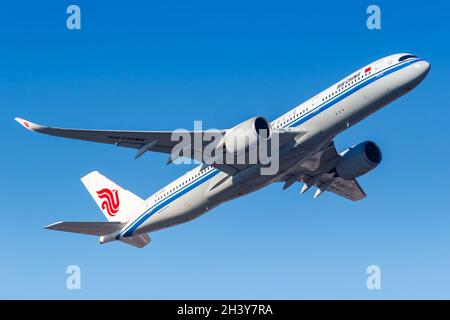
[
  {"x": 349, "y": 189},
  {"x": 159, "y": 141},
  {"x": 317, "y": 170},
  {"x": 195, "y": 142},
  {"x": 91, "y": 228}
]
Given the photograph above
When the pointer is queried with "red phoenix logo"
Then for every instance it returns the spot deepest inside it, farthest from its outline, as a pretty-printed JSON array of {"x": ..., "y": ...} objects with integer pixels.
[{"x": 111, "y": 200}]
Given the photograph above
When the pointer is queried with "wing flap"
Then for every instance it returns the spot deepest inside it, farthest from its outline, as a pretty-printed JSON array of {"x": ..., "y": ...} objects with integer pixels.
[{"x": 349, "y": 189}]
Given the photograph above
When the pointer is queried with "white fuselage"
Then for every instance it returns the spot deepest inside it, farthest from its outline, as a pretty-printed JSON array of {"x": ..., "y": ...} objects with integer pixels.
[{"x": 322, "y": 117}]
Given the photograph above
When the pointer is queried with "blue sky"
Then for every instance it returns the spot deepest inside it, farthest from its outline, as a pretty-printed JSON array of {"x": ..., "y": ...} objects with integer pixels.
[{"x": 160, "y": 65}]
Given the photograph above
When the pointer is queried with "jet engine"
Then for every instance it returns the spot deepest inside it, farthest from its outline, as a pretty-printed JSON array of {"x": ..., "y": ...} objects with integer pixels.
[{"x": 359, "y": 160}]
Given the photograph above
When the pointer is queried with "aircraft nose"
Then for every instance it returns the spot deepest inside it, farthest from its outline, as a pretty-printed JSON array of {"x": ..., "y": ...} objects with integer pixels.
[{"x": 422, "y": 67}]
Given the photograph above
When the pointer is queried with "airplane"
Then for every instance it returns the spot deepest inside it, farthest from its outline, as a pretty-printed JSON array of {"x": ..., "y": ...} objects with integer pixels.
[{"x": 306, "y": 154}]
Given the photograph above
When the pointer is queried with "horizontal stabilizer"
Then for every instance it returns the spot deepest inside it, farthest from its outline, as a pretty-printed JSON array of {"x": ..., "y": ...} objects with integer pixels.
[{"x": 91, "y": 228}]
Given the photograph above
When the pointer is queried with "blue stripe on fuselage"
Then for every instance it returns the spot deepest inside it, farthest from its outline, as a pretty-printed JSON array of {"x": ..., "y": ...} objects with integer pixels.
[
  {"x": 159, "y": 205},
  {"x": 349, "y": 91}
]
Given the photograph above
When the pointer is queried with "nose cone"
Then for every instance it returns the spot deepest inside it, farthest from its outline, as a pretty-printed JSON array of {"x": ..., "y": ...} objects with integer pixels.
[{"x": 421, "y": 68}]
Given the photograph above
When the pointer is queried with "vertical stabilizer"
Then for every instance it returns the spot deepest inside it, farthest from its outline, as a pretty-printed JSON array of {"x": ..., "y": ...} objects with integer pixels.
[{"x": 116, "y": 203}]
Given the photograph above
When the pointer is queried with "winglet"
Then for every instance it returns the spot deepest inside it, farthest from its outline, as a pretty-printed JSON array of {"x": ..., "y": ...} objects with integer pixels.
[
  {"x": 51, "y": 226},
  {"x": 28, "y": 125}
]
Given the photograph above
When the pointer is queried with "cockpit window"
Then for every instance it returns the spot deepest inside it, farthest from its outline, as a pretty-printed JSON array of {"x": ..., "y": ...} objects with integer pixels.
[{"x": 408, "y": 56}]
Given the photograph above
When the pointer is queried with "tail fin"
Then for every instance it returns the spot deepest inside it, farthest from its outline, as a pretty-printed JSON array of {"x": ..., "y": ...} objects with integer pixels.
[
  {"x": 92, "y": 228},
  {"x": 103, "y": 229},
  {"x": 116, "y": 203}
]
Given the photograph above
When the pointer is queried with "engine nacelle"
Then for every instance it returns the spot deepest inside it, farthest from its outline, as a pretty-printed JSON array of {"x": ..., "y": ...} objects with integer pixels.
[
  {"x": 359, "y": 160},
  {"x": 245, "y": 136}
]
